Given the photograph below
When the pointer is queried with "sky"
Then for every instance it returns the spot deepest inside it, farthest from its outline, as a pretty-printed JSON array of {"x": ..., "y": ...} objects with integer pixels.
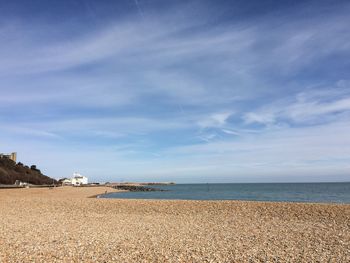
[{"x": 184, "y": 91}]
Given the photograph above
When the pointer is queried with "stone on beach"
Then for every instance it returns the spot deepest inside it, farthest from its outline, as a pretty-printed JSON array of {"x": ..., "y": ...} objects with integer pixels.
[{"x": 63, "y": 225}]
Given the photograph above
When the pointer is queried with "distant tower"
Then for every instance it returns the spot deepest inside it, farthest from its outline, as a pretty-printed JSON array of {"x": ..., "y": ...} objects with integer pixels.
[{"x": 13, "y": 156}]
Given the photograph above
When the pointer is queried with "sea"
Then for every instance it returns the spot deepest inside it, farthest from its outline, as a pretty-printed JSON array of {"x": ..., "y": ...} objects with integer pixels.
[{"x": 274, "y": 192}]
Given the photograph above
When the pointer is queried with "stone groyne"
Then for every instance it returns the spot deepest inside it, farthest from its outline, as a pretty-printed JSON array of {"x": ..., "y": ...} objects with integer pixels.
[{"x": 136, "y": 188}]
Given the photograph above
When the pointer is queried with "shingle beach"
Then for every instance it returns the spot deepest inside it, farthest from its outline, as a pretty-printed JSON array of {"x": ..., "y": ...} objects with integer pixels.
[{"x": 64, "y": 225}]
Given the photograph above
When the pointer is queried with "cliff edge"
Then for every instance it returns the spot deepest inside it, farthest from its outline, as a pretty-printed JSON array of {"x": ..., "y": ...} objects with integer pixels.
[{"x": 10, "y": 172}]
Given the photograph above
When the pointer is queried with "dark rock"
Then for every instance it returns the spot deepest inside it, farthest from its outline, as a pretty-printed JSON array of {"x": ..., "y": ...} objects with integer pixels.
[{"x": 136, "y": 188}]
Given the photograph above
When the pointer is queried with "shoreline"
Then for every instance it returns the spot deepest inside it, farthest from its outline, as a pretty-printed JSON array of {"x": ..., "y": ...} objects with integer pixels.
[
  {"x": 109, "y": 189},
  {"x": 147, "y": 194},
  {"x": 226, "y": 200},
  {"x": 65, "y": 225}
]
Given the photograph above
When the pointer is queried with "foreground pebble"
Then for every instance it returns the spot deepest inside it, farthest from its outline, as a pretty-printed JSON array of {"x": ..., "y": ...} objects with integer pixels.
[{"x": 63, "y": 225}]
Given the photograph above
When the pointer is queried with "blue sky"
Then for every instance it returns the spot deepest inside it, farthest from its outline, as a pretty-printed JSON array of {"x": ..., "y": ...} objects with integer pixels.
[{"x": 185, "y": 91}]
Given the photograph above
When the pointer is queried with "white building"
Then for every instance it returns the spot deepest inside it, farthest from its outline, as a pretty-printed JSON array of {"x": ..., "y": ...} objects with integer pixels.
[
  {"x": 66, "y": 181},
  {"x": 79, "y": 180}
]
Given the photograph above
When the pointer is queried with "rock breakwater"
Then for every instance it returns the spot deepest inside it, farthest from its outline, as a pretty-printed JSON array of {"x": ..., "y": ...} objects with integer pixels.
[{"x": 137, "y": 188}]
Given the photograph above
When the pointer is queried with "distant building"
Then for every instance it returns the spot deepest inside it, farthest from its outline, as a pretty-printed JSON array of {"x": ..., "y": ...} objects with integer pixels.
[
  {"x": 19, "y": 183},
  {"x": 65, "y": 181},
  {"x": 76, "y": 180},
  {"x": 79, "y": 180},
  {"x": 11, "y": 156}
]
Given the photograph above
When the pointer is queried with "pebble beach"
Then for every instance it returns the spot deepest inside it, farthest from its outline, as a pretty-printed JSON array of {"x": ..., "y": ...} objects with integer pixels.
[{"x": 68, "y": 224}]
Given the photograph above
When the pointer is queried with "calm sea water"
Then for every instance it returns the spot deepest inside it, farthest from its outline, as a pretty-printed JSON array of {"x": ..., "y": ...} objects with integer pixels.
[{"x": 286, "y": 192}]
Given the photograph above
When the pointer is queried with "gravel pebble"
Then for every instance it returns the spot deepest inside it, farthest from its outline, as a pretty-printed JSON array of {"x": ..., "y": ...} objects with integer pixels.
[{"x": 63, "y": 225}]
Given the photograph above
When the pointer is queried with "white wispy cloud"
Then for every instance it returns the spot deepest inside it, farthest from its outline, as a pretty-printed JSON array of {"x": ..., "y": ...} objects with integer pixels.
[
  {"x": 26, "y": 131},
  {"x": 214, "y": 120},
  {"x": 318, "y": 104},
  {"x": 187, "y": 80},
  {"x": 285, "y": 151},
  {"x": 145, "y": 54}
]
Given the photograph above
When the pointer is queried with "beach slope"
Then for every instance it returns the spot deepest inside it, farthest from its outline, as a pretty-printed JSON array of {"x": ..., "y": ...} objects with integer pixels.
[{"x": 64, "y": 225}]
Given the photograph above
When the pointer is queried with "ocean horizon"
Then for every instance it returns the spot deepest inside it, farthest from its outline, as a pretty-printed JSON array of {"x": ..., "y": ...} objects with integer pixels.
[{"x": 322, "y": 192}]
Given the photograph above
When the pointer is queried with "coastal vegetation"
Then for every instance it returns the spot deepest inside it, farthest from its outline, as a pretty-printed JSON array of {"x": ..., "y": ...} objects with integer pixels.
[{"x": 10, "y": 172}]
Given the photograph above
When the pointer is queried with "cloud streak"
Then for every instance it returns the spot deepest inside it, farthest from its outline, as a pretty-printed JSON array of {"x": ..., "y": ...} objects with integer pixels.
[
  {"x": 187, "y": 89},
  {"x": 308, "y": 106}
]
